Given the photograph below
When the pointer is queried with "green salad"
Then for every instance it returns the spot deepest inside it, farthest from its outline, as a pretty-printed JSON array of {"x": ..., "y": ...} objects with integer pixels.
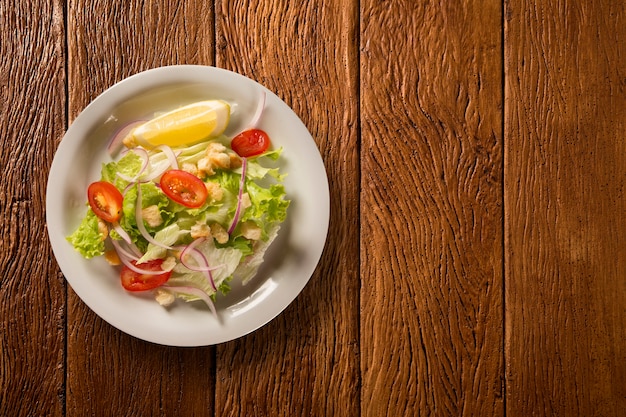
[{"x": 184, "y": 221}]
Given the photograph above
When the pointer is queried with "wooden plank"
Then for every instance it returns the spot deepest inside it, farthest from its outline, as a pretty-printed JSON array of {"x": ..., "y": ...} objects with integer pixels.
[
  {"x": 110, "y": 373},
  {"x": 305, "y": 362},
  {"x": 431, "y": 209},
  {"x": 32, "y": 291},
  {"x": 565, "y": 208}
]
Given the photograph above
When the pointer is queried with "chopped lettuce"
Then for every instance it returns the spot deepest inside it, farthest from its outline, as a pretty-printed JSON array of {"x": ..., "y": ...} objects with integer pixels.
[
  {"x": 151, "y": 195},
  {"x": 129, "y": 166},
  {"x": 167, "y": 236},
  {"x": 250, "y": 265},
  {"x": 175, "y": 226},
  {"x": 224, "y": 260},
  {"x": 268, "y": 204},
  {"x": 87, "y": 238}
]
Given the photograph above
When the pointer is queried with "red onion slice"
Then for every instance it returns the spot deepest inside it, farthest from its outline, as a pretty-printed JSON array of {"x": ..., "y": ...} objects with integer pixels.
[
  {"x": 122, "y": 233},
  {"x": 156, "y": 174},
  {"x": 117, "y": 141},
  {"x": 126, "y": 177},
  {"x": 145, "y": 160},
  {"x": 194, "y": 291},
  {"x": 244, "y": 164},
  {"x": 257, "y": 114},
  {"x": 201, "y": 260},
  {"x": 122, "y": 252},
  {"x": 173, "y": 163},
  {"x": 128, "y": 187},
  {"x": 140, "y": 225},
  {"x": 170, "y": 155},
  {"x": 136, "y": 253},
  {"x": 126, "y": 258},
  {"x": 135, "y": 250}
]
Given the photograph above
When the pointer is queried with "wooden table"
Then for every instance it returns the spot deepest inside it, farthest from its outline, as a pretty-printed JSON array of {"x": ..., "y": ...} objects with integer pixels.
[{"x": 476, "y": 259}]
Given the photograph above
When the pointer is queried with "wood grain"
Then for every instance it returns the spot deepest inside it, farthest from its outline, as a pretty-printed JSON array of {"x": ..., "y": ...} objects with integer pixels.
[
  {"x": 113, "y": 40},
  {"x": 431, "y": 212},
  {"x": 32, "y": 291},
  {"x": 110, "y": 373},
  {"x": 305, "y": 362},
  {"x": 565, "y": 181},
  {"x": 475, "y": 262}
]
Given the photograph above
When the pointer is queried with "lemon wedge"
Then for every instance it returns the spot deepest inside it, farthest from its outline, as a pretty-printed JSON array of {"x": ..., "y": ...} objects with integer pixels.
[{"x": 182, "y": 126}]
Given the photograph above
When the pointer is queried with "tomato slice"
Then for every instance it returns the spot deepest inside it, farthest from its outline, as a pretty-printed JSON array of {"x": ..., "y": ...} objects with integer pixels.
[
  {"x": 135, "y": 281},
  {"x": 184, "y": 188},
  {"x": 250, "y": 143},
  {"x": 105, "y": 200}
]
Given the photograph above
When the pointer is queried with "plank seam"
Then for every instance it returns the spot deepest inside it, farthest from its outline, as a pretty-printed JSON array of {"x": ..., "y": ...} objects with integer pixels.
[
  {"x": 65, "y": 285},
  {"x": 503, "y": 191},
  {"x": 360, "y": 204}
]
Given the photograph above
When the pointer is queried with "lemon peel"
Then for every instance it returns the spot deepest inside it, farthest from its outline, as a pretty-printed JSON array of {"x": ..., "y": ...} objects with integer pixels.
[{"x": 182, "y": 126}]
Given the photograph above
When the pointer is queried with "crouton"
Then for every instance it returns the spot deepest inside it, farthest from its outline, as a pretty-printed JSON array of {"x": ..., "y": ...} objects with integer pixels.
[
  {"x": 152, "y": 216},
  {"x": 250, "y": 230},
  {"x": 219, "y": 233}
]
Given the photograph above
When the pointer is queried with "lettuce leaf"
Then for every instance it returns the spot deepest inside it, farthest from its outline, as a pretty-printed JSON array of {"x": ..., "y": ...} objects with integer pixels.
[
  {"x": 168, "y": 236},
  {"x": 87, "y": 239},
  {"x": 268, "y": 204},
  {"x": 248, "y": 268},
  {"x": 129, "y": 165},
  {"x": 225, "y": 259},
  {"x": 150, "y": 195}
]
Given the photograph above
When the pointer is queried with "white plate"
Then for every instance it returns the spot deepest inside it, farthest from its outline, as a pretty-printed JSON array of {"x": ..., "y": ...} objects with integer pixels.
[{"x": 291, "y": 259}]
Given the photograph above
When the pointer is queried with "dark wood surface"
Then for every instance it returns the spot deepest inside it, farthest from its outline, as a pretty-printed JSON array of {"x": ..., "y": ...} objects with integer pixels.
[{"x": 476, "y": 257}]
